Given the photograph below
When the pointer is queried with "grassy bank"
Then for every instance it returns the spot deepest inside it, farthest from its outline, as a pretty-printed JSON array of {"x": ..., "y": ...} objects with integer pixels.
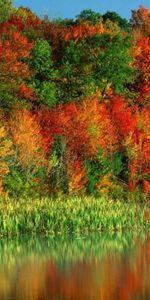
[{"x": 69, "y": 215}]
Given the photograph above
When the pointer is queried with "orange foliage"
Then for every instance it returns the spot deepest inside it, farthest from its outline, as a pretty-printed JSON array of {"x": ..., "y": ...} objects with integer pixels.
[
  {"x": 146, "y": 187},
  {"x": 13, "y": 49},
  {"x": 49, "y": 124},
  {"x": 76, "y": 173},
  {"x": 26, "y": 92},
  {"x": 141, "y": 20},
  {"x": 83, "y": 30},
  {"x": 123, "y": 116},
  {"x": 100, "y": 128},
  {"x": 134, "y": 130},
  {"x": 88, "y": 128},
  {"x": 73, "y": 128},
  {"x": 141, "y": 54},
  {"x": 27, "y": 138}
]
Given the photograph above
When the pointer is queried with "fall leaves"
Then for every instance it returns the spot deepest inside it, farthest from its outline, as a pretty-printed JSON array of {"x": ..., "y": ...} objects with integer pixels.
[{"x": 75, "y": 96}]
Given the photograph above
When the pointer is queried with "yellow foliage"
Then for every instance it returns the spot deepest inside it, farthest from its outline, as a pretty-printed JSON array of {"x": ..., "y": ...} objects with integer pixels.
[
  {"x": 27, "y": 139},
  {"x": 5, "y": 152}
]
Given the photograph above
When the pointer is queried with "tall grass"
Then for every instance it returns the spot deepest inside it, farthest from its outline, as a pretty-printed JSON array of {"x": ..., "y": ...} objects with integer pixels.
[{"x": 68, "y": 215}]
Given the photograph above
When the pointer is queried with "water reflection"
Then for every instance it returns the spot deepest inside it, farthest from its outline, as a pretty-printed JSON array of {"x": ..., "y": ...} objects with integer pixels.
[{"x": 97, "y": 267}]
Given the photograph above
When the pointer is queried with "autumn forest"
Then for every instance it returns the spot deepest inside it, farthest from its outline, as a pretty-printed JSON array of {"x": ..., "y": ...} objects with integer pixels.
[{"x": 74, "y": 104}]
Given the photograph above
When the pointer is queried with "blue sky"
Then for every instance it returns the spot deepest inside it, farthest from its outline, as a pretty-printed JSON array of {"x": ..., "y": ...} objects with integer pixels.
[{"x": 69, "y": 8}]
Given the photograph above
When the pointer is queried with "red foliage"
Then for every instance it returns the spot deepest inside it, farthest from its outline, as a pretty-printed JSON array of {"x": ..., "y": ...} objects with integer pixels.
[
  {"x": 48, "y": 121},
  {"x": 13, "y": 49},
  {"x": 133, "y": 127},
  {"x": 22, "y": 20},
  {"x": 141, "y": 54},
  {"x": 26, "y": 92},
  {"x": 146, "y": 187},
  {"x": 124, "y": 116},
  {"x": 54, "y": 34},
  {"x": 87, "y": 128}
]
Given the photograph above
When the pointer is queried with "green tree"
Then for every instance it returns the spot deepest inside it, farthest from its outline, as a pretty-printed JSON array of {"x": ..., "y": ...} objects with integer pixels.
[
  {"x": 89, "y": 15},
  {"x": 6, "y": 9},
  {"x": 95, "y": 63},
  {"x": 76, "y": 73},
  {"x": 112, "y": 62},
  {"x": 114, "y": 17},
  {"x": 44, "y": 75}
]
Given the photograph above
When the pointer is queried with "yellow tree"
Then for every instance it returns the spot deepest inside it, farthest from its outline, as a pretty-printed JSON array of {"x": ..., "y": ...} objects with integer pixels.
[
  {"x": 27, "y": 140},
  {"x": 5, "y": 152}
]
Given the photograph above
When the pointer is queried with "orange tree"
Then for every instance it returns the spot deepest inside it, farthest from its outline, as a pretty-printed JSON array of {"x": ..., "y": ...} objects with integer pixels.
[{"x": 14, "y": 50}]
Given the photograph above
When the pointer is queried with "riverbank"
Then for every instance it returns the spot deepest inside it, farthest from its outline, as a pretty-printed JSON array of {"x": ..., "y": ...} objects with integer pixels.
[{"x": 70, "y": 215}]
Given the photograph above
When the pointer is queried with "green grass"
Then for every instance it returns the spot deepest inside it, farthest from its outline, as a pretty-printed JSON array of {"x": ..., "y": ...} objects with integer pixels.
[{"x": 70, "y": 215}]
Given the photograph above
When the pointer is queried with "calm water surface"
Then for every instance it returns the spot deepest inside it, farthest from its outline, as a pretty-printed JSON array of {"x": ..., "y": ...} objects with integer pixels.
[{"x": 96, "y": 267}]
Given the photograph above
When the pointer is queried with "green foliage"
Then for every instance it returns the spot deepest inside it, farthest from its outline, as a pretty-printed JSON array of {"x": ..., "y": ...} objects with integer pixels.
[
  {"x": 44, "y": 74},
  {"x": 90, "y": 16},
  {"x": 46, "y": 93},
  {"x": 95, "y": 170},
  {"x": 69, "y": 215},
  {"x": 41, "y": 59},
  {"x": 117, "y": 164},
  {"x": 63, "y": 22},
  {"x": 57, "y": 178},
  {"x": 77, "y": 72},
  {"x": 114, "y": 17},
  {"x": 112, "y": 64},
  {"x": 84, "y": 71},
  {"x": 18, "y": 185},
  {"x": 6, "y": 9},
  {"x": 102, "y": 166}
]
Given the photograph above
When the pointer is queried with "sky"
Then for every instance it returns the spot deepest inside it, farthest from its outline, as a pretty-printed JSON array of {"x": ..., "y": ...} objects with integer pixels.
[{"x": 70, "y": 9}]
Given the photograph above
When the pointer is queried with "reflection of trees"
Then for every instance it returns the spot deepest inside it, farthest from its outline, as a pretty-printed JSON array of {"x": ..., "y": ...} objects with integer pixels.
[{"x": 115, "y": 276}]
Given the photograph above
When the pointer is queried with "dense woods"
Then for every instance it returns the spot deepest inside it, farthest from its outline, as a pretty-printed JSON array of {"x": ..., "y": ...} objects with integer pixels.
[{"x": 74, "y": 103}]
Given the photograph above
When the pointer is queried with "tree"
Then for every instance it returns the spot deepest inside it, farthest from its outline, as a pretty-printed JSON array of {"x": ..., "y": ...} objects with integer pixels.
[
  {"x": 26, "y": 135},
  {"x": 54, "y": 35},
  {"x": 26, "y": 21},
  {"x": 141, "y": 20},
  {"x": 89, "y": 16},
  {"x": 115, "y": 18},
  {"x": 6, "y": 151},
  {"x": 14, "y": 51},
  {"x": 43, "y": 77},
  {"x": 6, "y": 10},
  {"x": 112, "y": 62},
  {"x": 141, "y": 84}
]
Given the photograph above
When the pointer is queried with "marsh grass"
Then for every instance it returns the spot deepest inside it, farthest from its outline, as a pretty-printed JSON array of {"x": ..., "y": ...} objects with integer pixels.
[{"x": 70, "y": 215}]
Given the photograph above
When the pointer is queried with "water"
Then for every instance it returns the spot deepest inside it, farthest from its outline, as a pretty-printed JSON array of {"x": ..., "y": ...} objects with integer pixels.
[{"x": 95, "y": 267}]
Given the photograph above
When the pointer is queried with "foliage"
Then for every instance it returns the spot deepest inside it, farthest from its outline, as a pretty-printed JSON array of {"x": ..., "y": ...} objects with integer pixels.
[
  {"x": 141, "y": 55},
  {"x": 90, "y": 16},
  {"x": 75, "y": 214},
  {"x": 74, "y": 100},
  {"x": 140, "y": 20},
  {"x": 43, "y": 77},
  {"x": 115, "y": 18},
  {"x": 113, "y": 62},
  {"x": 27, "y": 139},
  {"x": 6, "y": 9},
  {"x": 14, "y": 50},
  {"x": 6, "y": 152}
]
